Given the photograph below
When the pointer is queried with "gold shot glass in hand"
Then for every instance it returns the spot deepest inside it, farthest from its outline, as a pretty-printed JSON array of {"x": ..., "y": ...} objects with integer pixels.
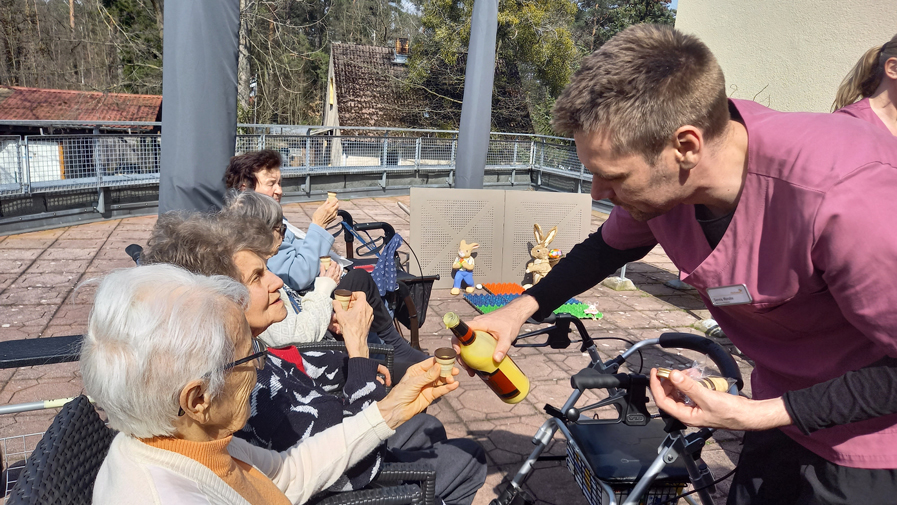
[
  {"x": 343, "y": 296},
  {"x": 331, "y": 195},
  {"x": 445, "y": 356},
  {"x": 325, "y": 262}
]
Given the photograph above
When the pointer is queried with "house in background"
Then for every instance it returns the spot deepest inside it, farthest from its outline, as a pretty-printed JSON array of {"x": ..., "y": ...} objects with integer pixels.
[
  {"x": 366, "y": 86},
  {"x": 36, "y": 104},
  {"x": 52, "y": 156},
  {"x": 790, "y": 56}
]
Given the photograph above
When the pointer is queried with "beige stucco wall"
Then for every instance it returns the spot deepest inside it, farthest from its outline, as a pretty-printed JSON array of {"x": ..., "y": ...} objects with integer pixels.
[{"x": 790, "y": 55}]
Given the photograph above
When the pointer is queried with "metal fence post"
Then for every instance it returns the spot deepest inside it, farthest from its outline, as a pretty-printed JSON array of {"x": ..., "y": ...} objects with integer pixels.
[
  {"x": 27, "y": 177},
  {"x": 582, "y": 172},
  {"x": 514, "y": 161},
  {"x": 454, "y": 143},
  {"x": 417, "y": 154},
  {"x": 532, "y": 153},
  {"x": 308, "y": 153},
  {"x": 383, "y": 155},
  {"x": 261, "y": 141}
]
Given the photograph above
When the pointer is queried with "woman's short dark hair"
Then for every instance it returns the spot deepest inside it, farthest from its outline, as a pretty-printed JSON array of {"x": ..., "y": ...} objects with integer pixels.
[{"x": 242, "y": 168}]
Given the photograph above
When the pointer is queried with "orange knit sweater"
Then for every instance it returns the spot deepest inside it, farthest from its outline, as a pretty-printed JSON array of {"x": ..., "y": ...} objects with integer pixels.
[{"x": 252, "y": 485}]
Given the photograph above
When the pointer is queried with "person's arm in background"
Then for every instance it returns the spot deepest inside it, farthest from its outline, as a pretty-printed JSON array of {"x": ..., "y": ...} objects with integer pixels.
[
  {"x": 587, "y": 264},
  {"x": 297, "y": 261}
]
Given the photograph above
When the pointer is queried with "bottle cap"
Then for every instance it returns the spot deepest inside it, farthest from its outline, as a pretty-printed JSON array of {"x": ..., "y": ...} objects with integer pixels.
[{"x": 450, "y": 319}]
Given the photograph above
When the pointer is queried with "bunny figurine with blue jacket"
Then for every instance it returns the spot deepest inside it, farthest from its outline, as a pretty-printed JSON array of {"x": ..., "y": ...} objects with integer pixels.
[{"x": 463, "y": 267}]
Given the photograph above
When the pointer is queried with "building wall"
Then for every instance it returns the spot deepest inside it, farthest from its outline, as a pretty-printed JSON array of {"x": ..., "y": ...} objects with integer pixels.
[{"x": 789, "y": 55}]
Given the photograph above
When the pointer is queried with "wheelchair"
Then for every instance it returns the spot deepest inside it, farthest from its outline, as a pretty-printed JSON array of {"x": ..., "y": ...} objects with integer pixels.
[
  {"x": 409, "y": 303},
  {"x": 637, "y": 458}
]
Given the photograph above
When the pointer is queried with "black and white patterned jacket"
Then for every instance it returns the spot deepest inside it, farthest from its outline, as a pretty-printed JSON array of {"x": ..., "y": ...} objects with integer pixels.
[{"x": 288, "y": 405}]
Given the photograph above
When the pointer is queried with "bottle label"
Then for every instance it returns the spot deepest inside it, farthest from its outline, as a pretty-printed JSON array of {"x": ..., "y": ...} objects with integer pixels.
[
  {"x": 465, "y": 335},
  {"x": 500, "y": 384}
]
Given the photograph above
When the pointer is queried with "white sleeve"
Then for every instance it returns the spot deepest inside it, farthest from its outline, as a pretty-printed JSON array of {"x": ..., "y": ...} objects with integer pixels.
[
  {"x": 318, "y": 461},
  {"x": 308, "y": 325}
]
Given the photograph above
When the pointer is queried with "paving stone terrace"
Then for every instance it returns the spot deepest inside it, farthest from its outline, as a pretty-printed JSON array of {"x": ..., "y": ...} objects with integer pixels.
[{"x": 39, "y": 273}]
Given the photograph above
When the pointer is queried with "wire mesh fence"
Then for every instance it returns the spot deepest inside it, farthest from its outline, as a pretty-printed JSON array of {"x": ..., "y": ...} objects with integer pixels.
[{"x": 55, "y": 163}]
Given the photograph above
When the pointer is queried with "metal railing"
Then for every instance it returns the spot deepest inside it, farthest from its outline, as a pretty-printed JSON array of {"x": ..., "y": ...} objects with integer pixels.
[{"x": 36, "y": 164}]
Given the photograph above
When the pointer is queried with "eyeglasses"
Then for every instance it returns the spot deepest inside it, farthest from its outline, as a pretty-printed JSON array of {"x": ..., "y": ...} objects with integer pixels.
[
  {"x": 259, "y": 354},
  {"x": 282, "y": 229}
]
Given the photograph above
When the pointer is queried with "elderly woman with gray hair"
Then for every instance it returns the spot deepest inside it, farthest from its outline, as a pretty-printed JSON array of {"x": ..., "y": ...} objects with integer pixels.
[
  {"x": 308, "y": 316},
  {"x": 170, "y": 358},
  {"x": 299, "y": 395}
]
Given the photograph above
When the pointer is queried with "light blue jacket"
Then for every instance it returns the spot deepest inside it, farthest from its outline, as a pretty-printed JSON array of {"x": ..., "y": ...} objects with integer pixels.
[{"x": 298, "y": 261}]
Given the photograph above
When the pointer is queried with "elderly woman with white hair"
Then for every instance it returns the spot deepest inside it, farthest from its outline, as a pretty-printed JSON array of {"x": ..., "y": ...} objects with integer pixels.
[{"x": 170, "y": 357}]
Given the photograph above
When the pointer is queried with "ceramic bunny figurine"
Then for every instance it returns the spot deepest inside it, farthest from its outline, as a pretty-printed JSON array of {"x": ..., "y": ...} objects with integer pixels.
[
  {"x": 464, "y": 266},
  {"x": 540, "y": 265}
]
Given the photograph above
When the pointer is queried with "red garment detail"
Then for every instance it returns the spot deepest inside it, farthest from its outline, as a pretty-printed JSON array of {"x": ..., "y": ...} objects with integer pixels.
[{"x": 289, "y": 353}]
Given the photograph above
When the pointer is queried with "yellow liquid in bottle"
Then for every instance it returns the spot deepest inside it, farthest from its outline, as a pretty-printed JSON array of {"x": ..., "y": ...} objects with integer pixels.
[{"x": 504, "y": 378}]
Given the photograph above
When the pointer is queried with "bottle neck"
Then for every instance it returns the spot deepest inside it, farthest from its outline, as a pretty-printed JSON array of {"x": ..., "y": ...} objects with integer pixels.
[{"x": 465, "y": 335}]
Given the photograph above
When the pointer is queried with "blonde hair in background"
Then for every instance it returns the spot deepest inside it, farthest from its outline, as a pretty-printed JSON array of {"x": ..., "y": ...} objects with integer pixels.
[{"x": 866, "y": 75}]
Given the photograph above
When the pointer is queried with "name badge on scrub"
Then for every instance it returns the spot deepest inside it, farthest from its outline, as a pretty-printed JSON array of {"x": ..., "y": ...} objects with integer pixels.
[{"x": 736, "y": 294}]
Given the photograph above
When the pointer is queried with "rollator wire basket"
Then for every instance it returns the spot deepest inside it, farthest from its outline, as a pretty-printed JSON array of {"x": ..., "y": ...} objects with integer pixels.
[
  {"x": 15, "y": 450},
  {"x": 597, "y": 491}
]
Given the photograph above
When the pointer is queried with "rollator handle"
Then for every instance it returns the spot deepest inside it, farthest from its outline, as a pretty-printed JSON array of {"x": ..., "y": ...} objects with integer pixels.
[{"x": 589, "y": 378}]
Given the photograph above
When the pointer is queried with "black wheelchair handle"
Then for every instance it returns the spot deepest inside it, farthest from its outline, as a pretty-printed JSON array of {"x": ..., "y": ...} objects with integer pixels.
[
  {"x": 134, "y": 251},
  {"x": 388, "y": 230},
  {"x": 589, "y": 378},
  {"x": 723, "y": 360}
]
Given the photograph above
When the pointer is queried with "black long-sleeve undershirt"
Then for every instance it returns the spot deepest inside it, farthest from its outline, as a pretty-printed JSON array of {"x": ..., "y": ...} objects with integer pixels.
[{"x": 855, "y": 396}]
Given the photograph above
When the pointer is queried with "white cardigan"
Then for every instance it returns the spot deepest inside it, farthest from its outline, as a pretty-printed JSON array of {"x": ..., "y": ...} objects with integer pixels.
[
  {"x": 136, "y": 473},
  {"x": 308, "y": 325}
]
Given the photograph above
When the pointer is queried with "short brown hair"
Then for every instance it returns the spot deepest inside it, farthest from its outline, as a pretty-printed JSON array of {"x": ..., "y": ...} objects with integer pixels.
[
  {"x": 242, "y": 168},
  {"x": 205, "y": 244},
  {"x": 642, "y": 85}
]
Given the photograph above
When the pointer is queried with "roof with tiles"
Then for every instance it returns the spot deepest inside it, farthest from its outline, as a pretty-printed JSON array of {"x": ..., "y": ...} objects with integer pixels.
[
  {"x": 369, "y": 88},
  {"x": 29, "y": 104},
  {"x": 371, "y": 91}
]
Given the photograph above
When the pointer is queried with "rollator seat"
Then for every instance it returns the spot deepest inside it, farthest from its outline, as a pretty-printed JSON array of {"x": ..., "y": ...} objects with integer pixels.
[{"x": 620, "y": 454}]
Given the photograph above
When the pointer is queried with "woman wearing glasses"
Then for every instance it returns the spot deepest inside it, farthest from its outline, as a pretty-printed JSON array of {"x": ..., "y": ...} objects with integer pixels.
[
  {"x": 170, "y": 358},
  {"x": 293, "y": 399}
]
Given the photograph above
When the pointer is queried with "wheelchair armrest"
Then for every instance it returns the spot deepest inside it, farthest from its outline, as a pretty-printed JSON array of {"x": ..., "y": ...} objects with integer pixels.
[
  {"x": 403, "y": 472},
  {"x": 40, "y": 351},
  {"x": 394, "y": 495}
]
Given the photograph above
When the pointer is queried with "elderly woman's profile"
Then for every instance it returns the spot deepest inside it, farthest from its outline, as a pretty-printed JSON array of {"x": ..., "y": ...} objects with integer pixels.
[{"x": 170, "y": 357}]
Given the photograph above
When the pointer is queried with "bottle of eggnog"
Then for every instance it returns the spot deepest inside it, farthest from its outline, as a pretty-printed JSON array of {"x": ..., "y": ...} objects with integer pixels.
[{"x": 477, "y": 347}]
